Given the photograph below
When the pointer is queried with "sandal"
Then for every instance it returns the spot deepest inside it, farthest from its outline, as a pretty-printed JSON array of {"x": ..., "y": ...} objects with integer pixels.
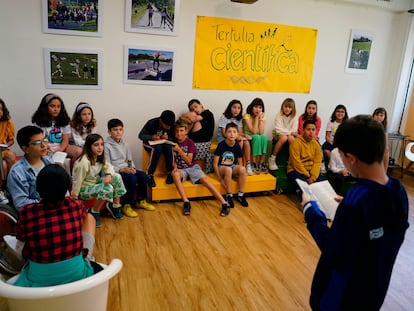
[
  {"x": 186, "y": 208},
  {"x": 225, "y": 210}
]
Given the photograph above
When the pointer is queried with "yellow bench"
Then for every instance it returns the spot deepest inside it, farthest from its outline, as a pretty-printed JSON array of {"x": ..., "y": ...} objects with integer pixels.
[{"x": 254, "y": 183}]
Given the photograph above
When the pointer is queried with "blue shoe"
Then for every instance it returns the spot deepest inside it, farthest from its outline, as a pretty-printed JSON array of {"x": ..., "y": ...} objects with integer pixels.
[
  {"x": 114, "y": 211},
  {"x": 151, "y": 181},
  {"x": 242, "y": 200},
  {"x": 169, "y": 180},
  {"x": 97, "y": 217}
]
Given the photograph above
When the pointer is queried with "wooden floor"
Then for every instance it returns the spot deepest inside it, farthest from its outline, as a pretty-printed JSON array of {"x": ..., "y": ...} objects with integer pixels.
[{"x": 259, "y": 258}]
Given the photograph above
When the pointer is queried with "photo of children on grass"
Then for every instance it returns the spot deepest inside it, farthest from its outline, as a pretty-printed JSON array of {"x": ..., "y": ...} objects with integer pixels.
[
  {"x": 71, "y": 17},
  {"x": 359, "y": 51},
  {"x": 72, "y": 69}
]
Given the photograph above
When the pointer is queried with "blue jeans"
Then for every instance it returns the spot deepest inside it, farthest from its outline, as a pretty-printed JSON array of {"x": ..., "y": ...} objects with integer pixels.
[{"x": 134, "y": 184}]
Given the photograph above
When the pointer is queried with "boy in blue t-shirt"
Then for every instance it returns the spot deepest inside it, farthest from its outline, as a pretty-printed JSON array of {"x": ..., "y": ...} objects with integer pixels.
[
  {"x": 226, "y": 158},
  {"x": 359, "y": 250},
  {"x": 186, "y": 167}
]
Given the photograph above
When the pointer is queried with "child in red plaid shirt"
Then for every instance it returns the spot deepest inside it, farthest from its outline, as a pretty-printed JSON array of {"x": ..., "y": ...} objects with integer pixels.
[{"x": 53, "y": 234}]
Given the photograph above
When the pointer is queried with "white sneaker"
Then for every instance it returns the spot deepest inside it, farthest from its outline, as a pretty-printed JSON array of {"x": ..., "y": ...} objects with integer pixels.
[
  {"x": 272, "y": 164},
  {"x": 323, "y": 168},
  {"x": 249, "y": 169},
  {"x": 3, "y": 198}
]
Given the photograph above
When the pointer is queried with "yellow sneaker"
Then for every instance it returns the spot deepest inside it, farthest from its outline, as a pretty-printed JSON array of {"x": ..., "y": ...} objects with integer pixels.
[
  {"x": 128, "y": 211},
  {"x": 145, "y": 205}
]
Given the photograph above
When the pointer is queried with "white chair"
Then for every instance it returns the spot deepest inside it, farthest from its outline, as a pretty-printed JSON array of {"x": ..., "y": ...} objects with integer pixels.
[
  {"x": 89, "y": 294},
  {"x": 409, "y": 154}
]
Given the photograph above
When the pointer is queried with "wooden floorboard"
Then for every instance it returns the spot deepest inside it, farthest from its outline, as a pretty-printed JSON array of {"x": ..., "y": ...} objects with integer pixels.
[
  {"x": 259, "y": 258},
  {"x": 247, "y": 261}
]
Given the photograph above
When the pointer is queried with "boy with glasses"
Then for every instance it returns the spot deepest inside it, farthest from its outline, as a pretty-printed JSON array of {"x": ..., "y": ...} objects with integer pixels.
[{"x": 21, "y": 181}]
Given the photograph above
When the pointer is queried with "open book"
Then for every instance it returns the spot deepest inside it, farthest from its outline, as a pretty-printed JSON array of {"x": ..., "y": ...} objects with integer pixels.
[
  {"x": 59, "y": 157},
  {"x": 161, "y": 141},
  {"x": 323, "y": 193}
]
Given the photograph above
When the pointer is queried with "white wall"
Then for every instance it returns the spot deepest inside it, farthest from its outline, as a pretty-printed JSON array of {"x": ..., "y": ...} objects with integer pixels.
[{"x": 22, "y": 73}]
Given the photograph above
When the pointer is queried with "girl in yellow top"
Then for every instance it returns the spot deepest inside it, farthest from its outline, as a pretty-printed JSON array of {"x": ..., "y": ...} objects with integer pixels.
[{"x": 6, "y": 137}]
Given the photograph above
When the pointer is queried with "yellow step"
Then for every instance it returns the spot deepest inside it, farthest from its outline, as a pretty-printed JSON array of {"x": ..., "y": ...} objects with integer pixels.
[{"x": 254, "y": 183}]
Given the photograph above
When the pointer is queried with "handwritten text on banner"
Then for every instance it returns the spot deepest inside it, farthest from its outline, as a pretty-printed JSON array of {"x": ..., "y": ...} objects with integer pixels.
[{"x": 255, "y": 56}]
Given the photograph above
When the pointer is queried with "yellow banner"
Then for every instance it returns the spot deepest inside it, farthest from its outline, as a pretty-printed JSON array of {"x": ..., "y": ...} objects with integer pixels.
[{"x": 253, "y": 56}]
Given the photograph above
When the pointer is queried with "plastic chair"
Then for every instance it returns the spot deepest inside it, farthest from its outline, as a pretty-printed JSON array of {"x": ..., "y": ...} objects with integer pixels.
[
  {"x": 9, "y": 263},
  {"x": 89, "y": 294},
  {"x": 408, "y": 153}
]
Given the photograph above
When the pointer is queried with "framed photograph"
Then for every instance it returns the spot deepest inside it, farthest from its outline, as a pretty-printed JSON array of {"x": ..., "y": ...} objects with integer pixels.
[
  {"x": 359, "y": 51},
  {"x": 66, "y": 17},
  {"x": 149, "y": 66},
  {"x": 157, "y": 17},
  {"x": 73, "y": 69}
]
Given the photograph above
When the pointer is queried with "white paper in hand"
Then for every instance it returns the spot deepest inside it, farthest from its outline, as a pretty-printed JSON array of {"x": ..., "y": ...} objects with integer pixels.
[
  {"x": 323, "y": 193},
  {"x": 59, "y": 157}
]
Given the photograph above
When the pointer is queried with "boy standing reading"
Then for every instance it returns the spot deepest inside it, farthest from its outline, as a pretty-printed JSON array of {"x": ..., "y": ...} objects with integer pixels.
[
  {"x": 154, "y": 130},
  {"x": 186, "y": 167},
  {"x": 359, "y": 250},
  {"x": 226, "y": 158},
  {"x": 118, "y": 153}
]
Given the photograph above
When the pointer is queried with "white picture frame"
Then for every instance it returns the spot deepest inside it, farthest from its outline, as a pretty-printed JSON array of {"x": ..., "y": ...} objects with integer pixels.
[
  {"x": 359, "y": 51},
  {"x": 148, "y": 65},
  {"x": 151, "y": 19},
  {"x": 73, "y": 69},
  {"x": 64, "y": 18}
]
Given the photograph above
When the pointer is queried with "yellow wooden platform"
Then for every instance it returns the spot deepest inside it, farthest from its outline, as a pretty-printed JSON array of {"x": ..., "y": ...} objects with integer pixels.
[{"x": 254, "y": 183}]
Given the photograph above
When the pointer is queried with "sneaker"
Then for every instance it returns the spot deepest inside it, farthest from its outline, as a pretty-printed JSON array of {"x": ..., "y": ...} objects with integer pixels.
[
  {"x": 187, "y": 208},
  {"x": 272, "y": 164},
  {"x": 145, "y": 205},
  {"x": 151, "y": 181},
  {"x": 256, "y": 168},
  {"x": 229, "y": 200},
  {"x": 242, "y": 200},
  {"x": 169, "y": 180},
  {"x": 128, "y": 211},
  {"x": 225, "y": 210},
  {"x": 97, "y": 217},
  {"x": 249, "y": 170},
  {"x": 323, "y": 168},
  {"x": 263, "y": 168},
  {"x": 114, "y": 211},
  {"x": 3, "y": 198}
]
